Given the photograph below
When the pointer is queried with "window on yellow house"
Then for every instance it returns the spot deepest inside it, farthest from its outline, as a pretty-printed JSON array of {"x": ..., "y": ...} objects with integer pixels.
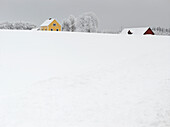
[
  {"x": 51, "y": 29},
  {"x": 56, "y": 29},
  {"x": 54, "y": 24},
  {"x": 45, "y": 29},
  {"x": 42, "y": 29}
]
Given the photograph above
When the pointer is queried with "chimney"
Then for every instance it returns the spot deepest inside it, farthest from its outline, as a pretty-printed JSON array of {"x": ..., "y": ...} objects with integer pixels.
[{"x": 50, "y": 18}]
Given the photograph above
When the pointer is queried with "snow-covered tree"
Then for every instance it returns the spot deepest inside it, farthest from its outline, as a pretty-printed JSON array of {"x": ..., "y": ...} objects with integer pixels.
[
  {"x": 87, "y": 22},
  {"x": 72, "y": 20},
  {"x": 6, "y": 25},
  {"x": 69, "y": 24},
  {"x": 17, "y": 25},
  {"x": 66, "y": 25}
]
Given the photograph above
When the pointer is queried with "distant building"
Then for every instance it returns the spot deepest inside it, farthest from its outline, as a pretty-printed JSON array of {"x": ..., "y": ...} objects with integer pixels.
[
  {"x": 138, "y": 31},
  {"x": 50, "y": 25}
]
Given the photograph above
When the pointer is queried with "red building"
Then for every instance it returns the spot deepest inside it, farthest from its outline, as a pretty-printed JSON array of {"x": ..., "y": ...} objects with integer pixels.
[{"x": 138, "y": 31}]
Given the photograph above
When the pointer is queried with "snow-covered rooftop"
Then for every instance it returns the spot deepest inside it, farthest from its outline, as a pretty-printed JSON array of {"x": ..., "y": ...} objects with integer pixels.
[
  {"x": 47, "y": 22},
  {"x": 136, "y": 31}
]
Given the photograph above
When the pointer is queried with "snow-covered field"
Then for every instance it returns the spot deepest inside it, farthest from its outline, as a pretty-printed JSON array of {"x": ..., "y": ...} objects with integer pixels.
[{"x": 59, "y": 79}]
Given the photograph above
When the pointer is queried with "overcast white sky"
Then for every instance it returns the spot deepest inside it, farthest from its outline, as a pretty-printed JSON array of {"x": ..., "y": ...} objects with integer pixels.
[{"x": 112, "y": 14}]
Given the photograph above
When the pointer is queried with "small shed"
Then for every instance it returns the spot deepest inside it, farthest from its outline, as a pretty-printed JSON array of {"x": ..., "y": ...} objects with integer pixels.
[{"x": 138, "y": 31}]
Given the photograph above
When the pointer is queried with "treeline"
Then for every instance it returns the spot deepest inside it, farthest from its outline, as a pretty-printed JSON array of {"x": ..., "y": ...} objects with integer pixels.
[
  {"x": 17, "y": 26},
  {"x": 161, "y": 31}
]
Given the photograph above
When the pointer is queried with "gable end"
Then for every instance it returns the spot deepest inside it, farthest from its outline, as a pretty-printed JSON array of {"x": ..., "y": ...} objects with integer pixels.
[{"x": 149, "y": 31}]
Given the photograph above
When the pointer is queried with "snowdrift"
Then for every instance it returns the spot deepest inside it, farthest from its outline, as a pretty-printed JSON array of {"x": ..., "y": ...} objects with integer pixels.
[{"x": 50, "y": 79}]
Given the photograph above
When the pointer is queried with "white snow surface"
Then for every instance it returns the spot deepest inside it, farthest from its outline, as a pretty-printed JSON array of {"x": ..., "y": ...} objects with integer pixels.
[
  {"x": 47, "y": 22},
  {"x": 50, "y": 79}
]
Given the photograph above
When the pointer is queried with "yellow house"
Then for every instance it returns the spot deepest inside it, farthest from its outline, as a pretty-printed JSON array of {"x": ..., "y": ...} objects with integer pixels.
[{"x": 50, "y": 25}]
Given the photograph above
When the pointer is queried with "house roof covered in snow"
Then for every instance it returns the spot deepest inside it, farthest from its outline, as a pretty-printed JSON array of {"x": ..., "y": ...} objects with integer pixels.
[
  {"x": 48, "y": 22},
  {"x": 136, "y": 31}
]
